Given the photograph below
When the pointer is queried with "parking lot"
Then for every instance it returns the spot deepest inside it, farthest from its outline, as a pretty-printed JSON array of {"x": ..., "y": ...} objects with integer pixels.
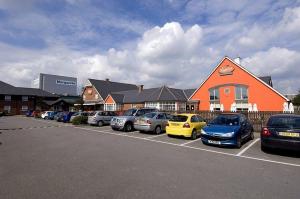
[{"x": 47, "y": 159}]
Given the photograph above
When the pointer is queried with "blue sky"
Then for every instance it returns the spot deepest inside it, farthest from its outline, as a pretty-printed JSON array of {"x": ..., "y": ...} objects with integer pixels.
[{"x": 148, "y": 42}]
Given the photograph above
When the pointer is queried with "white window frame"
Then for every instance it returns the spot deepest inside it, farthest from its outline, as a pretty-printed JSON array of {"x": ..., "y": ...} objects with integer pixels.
[
  {"x": 7, "y": 98},
  {"x": 167, "y": 106},
  {"x": 25, "y": 98},
  {"x": 24, "y": 108},
  {"x": 7, "y": 108}
]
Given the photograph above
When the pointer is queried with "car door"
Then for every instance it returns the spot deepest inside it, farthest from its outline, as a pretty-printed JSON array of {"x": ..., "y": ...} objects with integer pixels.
[
  {"x": 195, "y": 123},
  {"x": 161, "y": 120},
  {"x": 201, "y": 121},
  {"x": 243, "y": 126}
]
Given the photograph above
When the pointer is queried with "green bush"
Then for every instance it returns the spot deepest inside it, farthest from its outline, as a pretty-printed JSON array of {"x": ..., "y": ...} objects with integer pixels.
[{"x": 79, "y": 120}]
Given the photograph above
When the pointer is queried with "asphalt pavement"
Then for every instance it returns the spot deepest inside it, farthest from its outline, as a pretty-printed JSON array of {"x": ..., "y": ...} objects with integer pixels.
[{"x": 46, "y": 159}]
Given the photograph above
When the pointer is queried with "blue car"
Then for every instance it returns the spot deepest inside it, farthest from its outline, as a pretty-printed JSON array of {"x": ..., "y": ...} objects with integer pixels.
[
  {"x": 230, "y": 129},
  {"x": 67, "y": 116}
]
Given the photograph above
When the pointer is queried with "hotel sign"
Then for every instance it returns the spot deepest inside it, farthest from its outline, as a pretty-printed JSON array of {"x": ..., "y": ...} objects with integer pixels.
[
  {"x": 66, "y": 83},
  {"x": 226, "y": 70}
]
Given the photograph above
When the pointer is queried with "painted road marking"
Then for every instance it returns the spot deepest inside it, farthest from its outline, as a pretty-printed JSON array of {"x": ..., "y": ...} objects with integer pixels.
[
  {"x": 190, "y": 142},
  {"x": 155, "y": 136},
  {"x": 248, "y": 147},
  {"x": 190, "y": 147},
  {"x": 195, "y": 148}
]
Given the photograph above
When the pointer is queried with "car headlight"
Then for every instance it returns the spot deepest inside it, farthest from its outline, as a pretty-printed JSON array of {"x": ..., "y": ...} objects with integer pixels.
[
  {"x": 203, "y": 132},
  {"x": 230, "y": 134}
]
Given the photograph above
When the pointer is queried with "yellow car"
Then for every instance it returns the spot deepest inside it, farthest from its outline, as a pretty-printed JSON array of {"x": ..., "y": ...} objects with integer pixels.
[{"x": 187, "y": 125}]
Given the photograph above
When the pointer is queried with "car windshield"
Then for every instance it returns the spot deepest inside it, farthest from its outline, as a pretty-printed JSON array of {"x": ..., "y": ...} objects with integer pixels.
[
  {"x": 228, "y": 120},
  {"x": 284, "y": 122},
  {"x": 130, "y": 112},
  {"x": 179, "y": 118},
  {"x": 149, "y": 115}
]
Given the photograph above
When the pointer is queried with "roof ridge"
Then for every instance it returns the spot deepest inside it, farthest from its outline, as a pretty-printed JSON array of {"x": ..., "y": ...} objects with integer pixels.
[
  {"x": 244, "y": 69},
  {"x": 172, "y": 93},
  {"x": 161, "y": 89},
  {"x": 112, "y": 82}
]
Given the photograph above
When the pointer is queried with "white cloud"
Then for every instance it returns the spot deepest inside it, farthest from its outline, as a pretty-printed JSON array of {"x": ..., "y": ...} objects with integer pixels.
[{"x": 281, "y": 64}]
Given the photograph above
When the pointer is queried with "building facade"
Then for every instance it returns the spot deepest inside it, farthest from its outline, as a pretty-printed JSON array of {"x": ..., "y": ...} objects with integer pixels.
[
  {"x": 163, "y": 98},
  {"x": 60, "y": 85},
  {"x": 96, "y": 91},
  {"x": 18, "y": 100},
  {"x": 231, "y": 87}
]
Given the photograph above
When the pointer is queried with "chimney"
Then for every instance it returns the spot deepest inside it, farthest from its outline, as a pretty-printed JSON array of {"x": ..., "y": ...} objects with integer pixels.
[
  {"x": 141, "y": 88},
  {"x": 107, "y": 79},
  {"x": 238, "y": 60}
]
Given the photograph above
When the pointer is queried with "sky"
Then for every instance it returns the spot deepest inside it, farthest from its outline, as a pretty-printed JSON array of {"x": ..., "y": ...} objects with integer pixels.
[{"x": 151, "y": 42}]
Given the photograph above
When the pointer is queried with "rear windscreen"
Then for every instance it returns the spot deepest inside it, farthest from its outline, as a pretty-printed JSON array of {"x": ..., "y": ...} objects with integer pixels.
[
  {"x": 179, "y": 118},
  {"x": 284, "y": 122},
  {"x": 149, "y": 115}
]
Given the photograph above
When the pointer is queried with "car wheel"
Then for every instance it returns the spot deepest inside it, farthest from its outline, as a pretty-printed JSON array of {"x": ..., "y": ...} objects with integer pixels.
[
  {"x": 128, "y": 127},
  {"x": 100, "y": 123},
  {"x": 194, "y": 134},
  {"x": 46, "y": 118},
  {"x": 239, "y": 142},
  {"x": 158, "y": 130}
]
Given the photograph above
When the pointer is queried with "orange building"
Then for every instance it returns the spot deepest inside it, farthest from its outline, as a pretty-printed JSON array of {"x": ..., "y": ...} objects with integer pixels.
[{"x": 231, "y": 87}]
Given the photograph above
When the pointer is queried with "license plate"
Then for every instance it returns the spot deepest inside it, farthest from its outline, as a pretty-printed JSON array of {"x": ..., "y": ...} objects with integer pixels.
[
  {"x": 289, "y": 134},
  {"x": 214, "y": 142},
  {"x": 174, "y": 124}
]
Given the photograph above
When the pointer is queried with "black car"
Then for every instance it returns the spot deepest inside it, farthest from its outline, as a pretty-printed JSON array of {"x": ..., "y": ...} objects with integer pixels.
[{"x": 282, "y": 132}]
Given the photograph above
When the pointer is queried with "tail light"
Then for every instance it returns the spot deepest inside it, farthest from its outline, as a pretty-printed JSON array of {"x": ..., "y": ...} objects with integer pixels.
[
  {"x": 186, "y": 125},
  {"x": 265, "y": 132},
  {"x": 167, "y": 124}
]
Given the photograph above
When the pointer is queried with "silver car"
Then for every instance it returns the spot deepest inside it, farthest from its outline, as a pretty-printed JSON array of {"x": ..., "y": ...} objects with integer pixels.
[
  {"x": 152, "y": 122},
  {"x": 126, "y": 121},
  {"x": 101, "y": 118},
  {"x": 78, "y": 114}
]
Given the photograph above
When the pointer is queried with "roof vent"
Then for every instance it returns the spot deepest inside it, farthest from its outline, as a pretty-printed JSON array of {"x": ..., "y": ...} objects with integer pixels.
[{"x": 238, "y": 60}]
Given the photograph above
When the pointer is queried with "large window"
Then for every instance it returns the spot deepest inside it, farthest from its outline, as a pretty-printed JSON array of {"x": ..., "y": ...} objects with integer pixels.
[
  {"x": 24, "y": 108},
  {"x": 167, "y": 106},
  {"x": 7, "y": 98},
  {"x": 7, "y": 109},
  {"x": 24, "y": 98},
  {"x": 241, "y": 93},
  {"x": 151, "y": 104},
  {"x": 214, "y": 94}
]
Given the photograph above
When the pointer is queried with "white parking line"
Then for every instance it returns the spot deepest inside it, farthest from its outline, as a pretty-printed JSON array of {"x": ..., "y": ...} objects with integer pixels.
[
  {"x": 190, "y": 142},
  {"x": 248, "y": 147},
  {"x": 155, "y": 136},
  {"x": 195, "y": 148}
]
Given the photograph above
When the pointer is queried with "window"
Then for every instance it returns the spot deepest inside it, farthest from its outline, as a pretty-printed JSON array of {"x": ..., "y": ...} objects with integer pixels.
[
  {"x": 140, "y": 112},
  {"x": 7, "y": 109},
  {"x": 200, "y": 118},
  {"x": 194, "y": 118},
  {"x": 110, "y": 107},
  {"x": 24, "y": 98},
  {"x": 24, "y": 108},
  {"x": 241, "y": 93},
  {"x": 167, "y": 106},
  {"x": 7, "y": 98},
  {"x": 161, "y": 116},
  {"x": 214, "y": 94},
  {"x": 151, "y": 104}
]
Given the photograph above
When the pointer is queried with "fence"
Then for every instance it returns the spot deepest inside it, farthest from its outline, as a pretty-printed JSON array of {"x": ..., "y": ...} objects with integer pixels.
[{"x": 258, "y": 119}]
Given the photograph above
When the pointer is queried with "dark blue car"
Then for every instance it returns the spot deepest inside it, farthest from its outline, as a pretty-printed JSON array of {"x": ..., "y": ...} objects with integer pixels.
[
  {"x": 67, "y": 116},
  {"x": 230, "y": 129}
]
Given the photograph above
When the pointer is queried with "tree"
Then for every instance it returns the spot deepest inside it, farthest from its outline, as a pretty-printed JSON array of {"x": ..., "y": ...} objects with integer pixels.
[{"x": 296, "y": 100}]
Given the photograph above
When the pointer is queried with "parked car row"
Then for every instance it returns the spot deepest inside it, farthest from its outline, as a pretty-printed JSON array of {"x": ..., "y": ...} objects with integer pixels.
[{"x": 227, "y": 129}]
